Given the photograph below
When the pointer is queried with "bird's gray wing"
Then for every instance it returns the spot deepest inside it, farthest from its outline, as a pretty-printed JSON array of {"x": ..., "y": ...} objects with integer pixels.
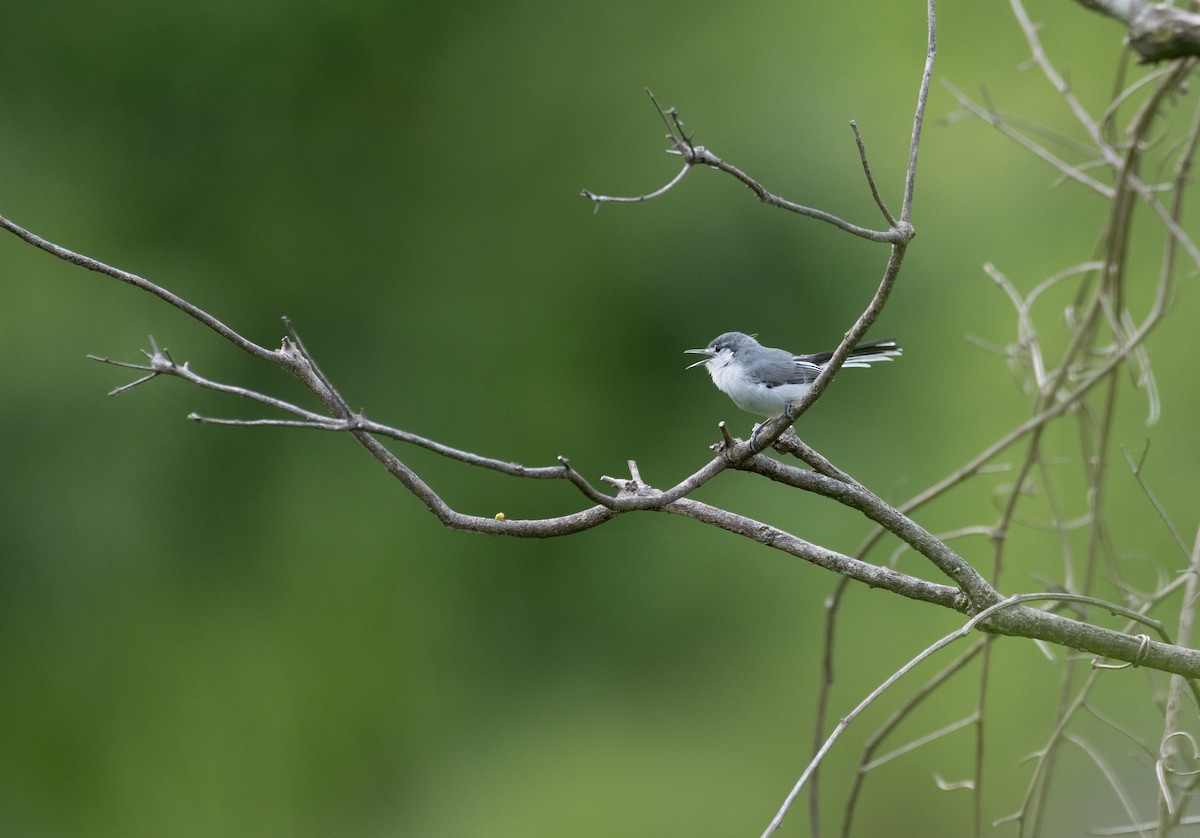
[
  {"x": 804, "y": 371},
  {"x": 776, "y": 367}
]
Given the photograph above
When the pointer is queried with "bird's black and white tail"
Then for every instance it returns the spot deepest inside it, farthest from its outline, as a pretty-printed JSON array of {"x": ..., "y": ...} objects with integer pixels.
[{"x": 863, "y": 355}]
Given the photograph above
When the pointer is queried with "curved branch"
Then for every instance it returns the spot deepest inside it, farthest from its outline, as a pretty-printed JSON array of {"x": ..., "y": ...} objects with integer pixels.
[
  {"x": 146, "y": 285},
  {"x": 854, "y": 495},
  {"x": 871, "y": 575},
  {"x": 898, "y": 232},
  {"x": 910, "y": 177},
  {"x": 901, "y": 232}
]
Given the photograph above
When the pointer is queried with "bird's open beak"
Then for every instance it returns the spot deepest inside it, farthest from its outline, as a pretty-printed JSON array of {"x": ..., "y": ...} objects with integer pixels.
[{"x": 707, "y": 352}]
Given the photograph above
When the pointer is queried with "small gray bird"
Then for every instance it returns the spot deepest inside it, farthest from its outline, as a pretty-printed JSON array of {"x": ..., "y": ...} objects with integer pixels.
[{"x": 768, "y": 382}]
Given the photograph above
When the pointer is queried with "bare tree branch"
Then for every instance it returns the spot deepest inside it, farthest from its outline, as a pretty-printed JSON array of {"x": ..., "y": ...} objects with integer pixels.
[
  {"x": 697, "y": 155},
  {"x": 146, "y": 285},
  {"x": 1105, "y": 336},
  {"x": 1158, "y": 31}
]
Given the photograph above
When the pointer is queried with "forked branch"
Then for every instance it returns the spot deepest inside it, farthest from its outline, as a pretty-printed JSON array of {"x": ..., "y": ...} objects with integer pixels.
[
  {"x": 966, "y": 590},
  {"x": 697, "y": 155}
]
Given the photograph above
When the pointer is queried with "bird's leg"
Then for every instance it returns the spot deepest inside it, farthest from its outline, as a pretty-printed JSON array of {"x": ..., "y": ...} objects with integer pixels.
[{"x": 758, "y": 426}]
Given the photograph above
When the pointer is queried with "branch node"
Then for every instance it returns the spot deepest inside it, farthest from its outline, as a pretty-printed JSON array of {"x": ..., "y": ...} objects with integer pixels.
[
  {"x": 633, "y": 486},
  {"x": 160, "y": 363},
  {"x": 726, "y": 440},
  {"x": 634, "y": 472},
  {"x": 581, "y": 483},
  {"x": 1139, "y": 657}
]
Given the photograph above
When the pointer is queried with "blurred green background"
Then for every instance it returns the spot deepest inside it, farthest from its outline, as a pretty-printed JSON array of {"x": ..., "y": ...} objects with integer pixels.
[{"x": 211, "y": 631}]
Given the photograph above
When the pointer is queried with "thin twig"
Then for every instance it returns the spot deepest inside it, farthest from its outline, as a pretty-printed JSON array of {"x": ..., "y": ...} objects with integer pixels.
[
  {"x": 1136, "y": 469},
  {"x": 849, "y": 718},
  {"x": 997, "y": 121},
  {"x": 161, "y": 363},
  {"x": 862, "y": 154},
  {"x": 1105, "y": 769},
  {"x": 1169, "y": 752},
  {"x": 698, "y": 155},
  {"x": 869, "y": 761},
  {"x": 144, "y": 284}
]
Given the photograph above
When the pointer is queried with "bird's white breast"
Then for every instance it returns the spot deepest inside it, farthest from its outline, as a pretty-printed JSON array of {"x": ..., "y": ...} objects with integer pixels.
[{"x": 751, "y": 395}]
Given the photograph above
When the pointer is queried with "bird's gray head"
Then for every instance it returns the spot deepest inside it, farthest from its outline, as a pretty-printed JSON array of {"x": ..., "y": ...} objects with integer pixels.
[{"x": 724, "y": 348}]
